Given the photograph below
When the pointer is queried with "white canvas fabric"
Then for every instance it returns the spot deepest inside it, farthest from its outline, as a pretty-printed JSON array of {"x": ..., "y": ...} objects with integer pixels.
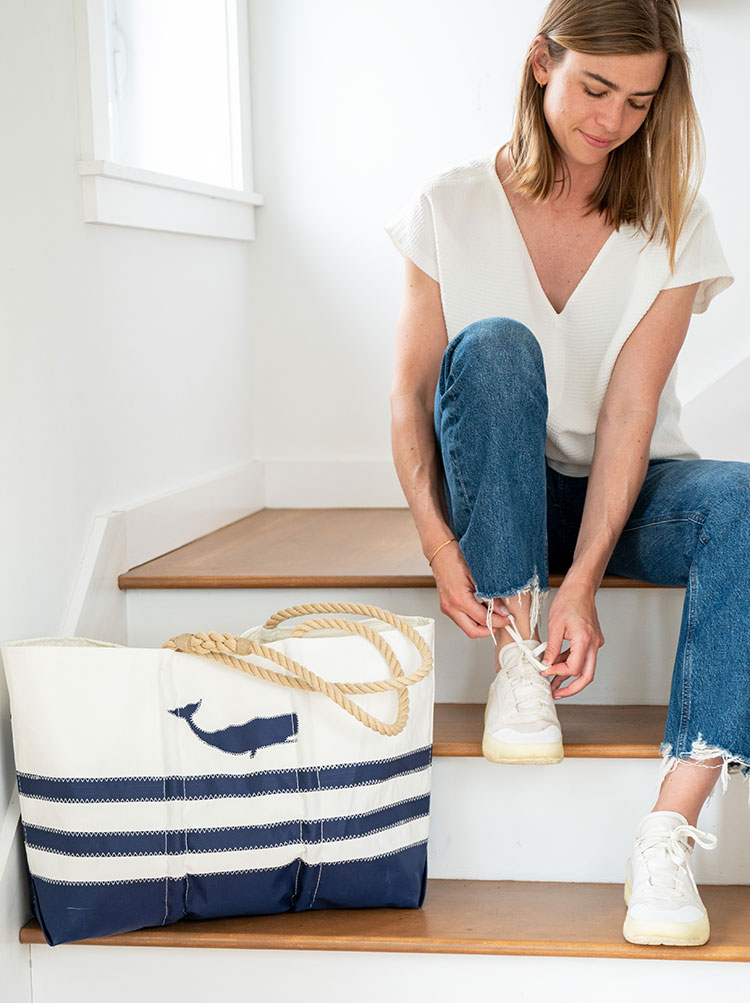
[
  {"x": 252, "y": 798},
  {"x": 461, "y": 231}
]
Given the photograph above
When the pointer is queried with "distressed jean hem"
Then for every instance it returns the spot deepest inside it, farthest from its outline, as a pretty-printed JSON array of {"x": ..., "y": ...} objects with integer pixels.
[
  {"x": 700, "y": 752},
  {"x": 539, "y": 598}
]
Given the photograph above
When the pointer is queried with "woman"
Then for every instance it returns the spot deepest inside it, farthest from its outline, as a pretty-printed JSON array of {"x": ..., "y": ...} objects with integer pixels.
[{"x": 549, "y": 288}]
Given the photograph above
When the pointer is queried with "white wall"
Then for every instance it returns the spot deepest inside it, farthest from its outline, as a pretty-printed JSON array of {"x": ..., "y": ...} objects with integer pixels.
[
  {"x": 135, "y": 362},
  {"x": 127, "y": 354},
  {"x": 126, "y": 359},
  {"x": 355, "y": 104}
]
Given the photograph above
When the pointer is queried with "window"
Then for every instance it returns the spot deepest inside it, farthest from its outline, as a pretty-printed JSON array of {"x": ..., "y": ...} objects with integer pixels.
[{"x": 164, "y": 97}]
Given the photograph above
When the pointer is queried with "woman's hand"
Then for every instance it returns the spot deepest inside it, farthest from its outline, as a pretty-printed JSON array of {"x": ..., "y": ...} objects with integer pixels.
[
  {"x": 456, "y": 589},
  {"x": 572, "y": 617}
]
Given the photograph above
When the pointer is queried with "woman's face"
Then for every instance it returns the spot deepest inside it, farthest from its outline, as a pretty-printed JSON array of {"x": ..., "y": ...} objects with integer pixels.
[{"x": 594, "y": 104}]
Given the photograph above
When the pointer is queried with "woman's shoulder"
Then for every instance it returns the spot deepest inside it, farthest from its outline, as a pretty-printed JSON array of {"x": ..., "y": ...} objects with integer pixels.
[
  {"x": 468, "y": 173},
  {"x": 698, "y": 210},
  {"x": 698, "y": 219}
]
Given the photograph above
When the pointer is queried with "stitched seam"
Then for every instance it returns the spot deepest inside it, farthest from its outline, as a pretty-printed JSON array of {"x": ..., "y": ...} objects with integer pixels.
[
  {"x": 239, "y": 848},
  {"x": 200, "y": 830},
  {"x": 187, "y": 876},
  {"x": 456, "y": 470},
  {"x": 320, "y": 865},
  {"x": 687, "y": 660},
  {"x": 166, "y": 877},
  {"x": 694, "y": 517},
  {"x": 211, "y": 874}
]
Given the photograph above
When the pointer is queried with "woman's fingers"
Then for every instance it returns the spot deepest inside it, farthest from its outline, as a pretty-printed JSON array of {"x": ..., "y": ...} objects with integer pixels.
[
  {"x": 469, "y": 625},
  {"x": 579, "y": 679},
  {"x": 457, "y": 588},
  {"x": 584, "y": 679},
  {"x": 555, "y": 637}
]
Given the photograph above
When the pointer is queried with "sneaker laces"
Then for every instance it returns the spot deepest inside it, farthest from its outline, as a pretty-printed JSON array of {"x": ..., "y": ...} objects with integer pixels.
[
  {"x": 667, "y": 856},
  {"x": 526, "y": 654},
  {"x": 531, "y": 691}
]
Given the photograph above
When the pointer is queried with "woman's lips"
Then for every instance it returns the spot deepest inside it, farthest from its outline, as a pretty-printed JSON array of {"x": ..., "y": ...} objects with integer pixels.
[{"x": 598, "y": 143}]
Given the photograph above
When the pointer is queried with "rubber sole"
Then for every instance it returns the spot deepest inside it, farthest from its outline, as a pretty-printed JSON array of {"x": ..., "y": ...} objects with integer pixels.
[
  {"x": 655, "y": 932},
  {"x": 541, "y": 754}
]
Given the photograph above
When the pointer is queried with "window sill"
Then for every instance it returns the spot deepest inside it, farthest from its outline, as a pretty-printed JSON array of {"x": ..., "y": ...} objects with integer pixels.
[{"x": 129, "y": 196}]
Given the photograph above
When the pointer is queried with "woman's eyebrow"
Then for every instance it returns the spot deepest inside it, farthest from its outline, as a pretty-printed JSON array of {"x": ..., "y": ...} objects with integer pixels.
[{"x": 614, "y": 87}]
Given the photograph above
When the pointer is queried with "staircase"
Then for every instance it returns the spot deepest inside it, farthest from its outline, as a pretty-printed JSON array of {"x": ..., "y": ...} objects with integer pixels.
[{"x": 526, "y": 862}]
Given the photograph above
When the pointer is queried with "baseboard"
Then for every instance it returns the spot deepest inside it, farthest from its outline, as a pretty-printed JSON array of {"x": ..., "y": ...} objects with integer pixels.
[
  {"x": 142, "y": 530},
  {"x": 145, "y": 529},
  {"x": 332, "y": 484},
  {"x": 157, "y": 525}
]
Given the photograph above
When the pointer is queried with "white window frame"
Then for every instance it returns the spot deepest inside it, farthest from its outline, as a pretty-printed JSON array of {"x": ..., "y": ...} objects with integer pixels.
[{"x": 121, "y": 195}]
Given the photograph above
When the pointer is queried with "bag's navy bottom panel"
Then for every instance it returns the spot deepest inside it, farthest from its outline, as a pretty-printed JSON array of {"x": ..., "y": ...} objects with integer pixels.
[{"x": 68, "y": 912}]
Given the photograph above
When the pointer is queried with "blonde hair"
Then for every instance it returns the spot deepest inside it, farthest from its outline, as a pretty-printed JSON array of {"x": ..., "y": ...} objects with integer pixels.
[{"x": 652, "y": 179}]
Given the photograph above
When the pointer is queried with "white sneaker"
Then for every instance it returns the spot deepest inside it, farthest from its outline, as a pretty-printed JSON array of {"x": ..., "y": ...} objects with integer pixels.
[
  {"x": 664, "y": 906},
  {"x": 520, "y": 723}
]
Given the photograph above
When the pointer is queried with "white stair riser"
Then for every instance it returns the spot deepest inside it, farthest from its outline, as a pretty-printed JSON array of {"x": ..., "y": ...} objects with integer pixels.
[
  {"x": 572, "y": 822},
  {"x": 640, "y": 627},
  {"x": 122, "y": 974}
]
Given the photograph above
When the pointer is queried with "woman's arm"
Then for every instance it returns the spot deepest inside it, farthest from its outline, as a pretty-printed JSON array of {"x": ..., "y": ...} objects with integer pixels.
[
  {"x": 421, "y": 340},
  {"x": 621, "y": 454}
]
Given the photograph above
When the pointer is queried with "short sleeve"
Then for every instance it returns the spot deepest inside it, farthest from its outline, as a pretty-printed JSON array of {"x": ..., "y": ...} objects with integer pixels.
[
  {"x": 701, "y": 259},
  {"x": 413, "y": 233}
]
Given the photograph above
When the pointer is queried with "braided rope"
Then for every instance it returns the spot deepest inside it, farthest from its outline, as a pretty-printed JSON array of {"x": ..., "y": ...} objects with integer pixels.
[{"x": 227, "y": 648}]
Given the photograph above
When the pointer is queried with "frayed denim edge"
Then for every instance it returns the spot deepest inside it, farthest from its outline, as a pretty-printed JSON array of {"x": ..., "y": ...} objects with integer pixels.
[
  {"x": 700, "y": 751},
  {"x": 539, "y": 599}
]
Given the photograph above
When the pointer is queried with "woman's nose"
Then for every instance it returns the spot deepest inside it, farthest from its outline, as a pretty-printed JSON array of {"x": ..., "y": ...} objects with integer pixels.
[{"x": 610, "y": 116}]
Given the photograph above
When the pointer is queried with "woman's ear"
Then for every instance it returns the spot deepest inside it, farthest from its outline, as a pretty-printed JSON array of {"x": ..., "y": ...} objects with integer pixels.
[{"x": 540, "y": 60}]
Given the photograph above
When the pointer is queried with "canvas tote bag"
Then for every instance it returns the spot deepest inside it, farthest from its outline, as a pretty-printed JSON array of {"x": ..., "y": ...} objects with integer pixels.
[{"x": 281, "y": 770}]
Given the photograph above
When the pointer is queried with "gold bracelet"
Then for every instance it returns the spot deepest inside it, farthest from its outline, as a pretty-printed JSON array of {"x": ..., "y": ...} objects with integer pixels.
[{"x": 452, "y": 540}]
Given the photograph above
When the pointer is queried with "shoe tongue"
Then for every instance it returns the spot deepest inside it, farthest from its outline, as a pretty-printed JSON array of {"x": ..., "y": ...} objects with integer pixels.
[
  {"x": 660, "y": 821},
  {"x": 509, "y": 649}
]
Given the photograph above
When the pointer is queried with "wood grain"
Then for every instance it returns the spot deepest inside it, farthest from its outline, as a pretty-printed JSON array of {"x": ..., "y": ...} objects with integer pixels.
[
  {"x": 603, "y": 732},
  {"x": 464, "y": 917},
  {"x": 301, "y": 548}
]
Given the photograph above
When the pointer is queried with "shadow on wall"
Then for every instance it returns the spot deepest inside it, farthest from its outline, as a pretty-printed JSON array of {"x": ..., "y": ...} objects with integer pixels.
[{"x": 716, "y": 421}]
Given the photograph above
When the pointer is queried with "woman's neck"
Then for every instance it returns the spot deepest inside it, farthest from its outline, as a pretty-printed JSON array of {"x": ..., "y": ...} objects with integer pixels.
[
  {"x": 572, "y": 191},
  {"x": 578, "y": 183}
]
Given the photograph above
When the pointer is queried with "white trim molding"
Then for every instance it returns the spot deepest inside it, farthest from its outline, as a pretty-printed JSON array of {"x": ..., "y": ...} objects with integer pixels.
[
  {"x": 127, "y": 196},
  {"x": 135, "y": 533},
  {"x": 121, "y": 195},
  {"x": 332, "y": 484},
  {"x": 146, "y": 529}
]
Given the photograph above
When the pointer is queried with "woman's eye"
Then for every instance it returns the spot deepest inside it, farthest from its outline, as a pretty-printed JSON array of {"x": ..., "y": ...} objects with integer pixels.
[{"x": 600, "y": 94}]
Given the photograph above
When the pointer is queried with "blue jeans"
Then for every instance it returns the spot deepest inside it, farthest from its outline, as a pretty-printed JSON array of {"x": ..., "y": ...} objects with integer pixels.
[{"x": 515, "y": 519}]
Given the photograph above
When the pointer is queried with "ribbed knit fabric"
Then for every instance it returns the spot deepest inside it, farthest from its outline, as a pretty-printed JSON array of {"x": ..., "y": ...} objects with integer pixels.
[{"x": 461, "y": 231}]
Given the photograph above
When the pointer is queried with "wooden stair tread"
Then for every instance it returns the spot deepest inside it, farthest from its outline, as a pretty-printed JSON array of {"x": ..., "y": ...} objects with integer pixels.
[
  {"x": 301, "y": 548},
  {"x": 463, "y": 917},
  {"x": 596, "y": 732}
]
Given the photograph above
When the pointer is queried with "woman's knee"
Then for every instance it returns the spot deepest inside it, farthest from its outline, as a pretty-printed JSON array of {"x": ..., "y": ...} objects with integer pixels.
[{"x": 497, "y": 345}]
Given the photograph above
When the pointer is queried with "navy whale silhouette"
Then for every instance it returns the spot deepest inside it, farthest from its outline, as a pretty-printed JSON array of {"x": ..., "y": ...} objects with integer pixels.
[{"x": 237, "y": 739}]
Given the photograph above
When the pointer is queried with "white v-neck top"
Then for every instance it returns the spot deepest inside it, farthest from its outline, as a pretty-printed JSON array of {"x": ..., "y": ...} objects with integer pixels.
[{"x": 461, "y": 231}]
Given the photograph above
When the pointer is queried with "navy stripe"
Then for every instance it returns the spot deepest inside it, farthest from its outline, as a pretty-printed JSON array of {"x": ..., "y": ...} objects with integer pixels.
[
  {"x": 70, "y": 911},
  {"x": 196, "y": 788},
  {"x": 299, "y": 831}
]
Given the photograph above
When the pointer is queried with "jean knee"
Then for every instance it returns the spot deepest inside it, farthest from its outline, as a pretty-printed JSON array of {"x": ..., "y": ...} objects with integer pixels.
[{"x": 497, "y": 343}]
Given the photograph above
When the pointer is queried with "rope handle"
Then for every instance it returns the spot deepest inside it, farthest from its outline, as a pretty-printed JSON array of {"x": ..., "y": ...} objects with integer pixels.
[{"x": 227, "y": 648}]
